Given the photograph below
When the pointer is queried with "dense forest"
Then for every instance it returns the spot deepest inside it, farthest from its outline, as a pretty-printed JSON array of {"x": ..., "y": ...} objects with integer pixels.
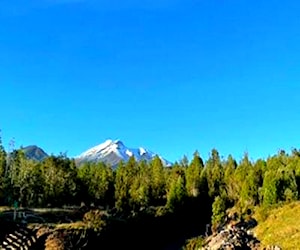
[{"x": 191, "y": 194}]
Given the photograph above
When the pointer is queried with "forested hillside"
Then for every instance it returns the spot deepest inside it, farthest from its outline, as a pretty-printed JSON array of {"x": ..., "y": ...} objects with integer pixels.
[{"x": 190, "y": 194}]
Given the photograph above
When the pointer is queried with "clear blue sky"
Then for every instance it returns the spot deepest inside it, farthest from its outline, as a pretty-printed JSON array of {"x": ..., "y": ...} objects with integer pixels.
[{"x": 172, "y": 76}]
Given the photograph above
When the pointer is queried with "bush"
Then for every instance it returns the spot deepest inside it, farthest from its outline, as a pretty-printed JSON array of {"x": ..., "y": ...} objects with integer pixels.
[
  {"x": 194, "y": 243},
  {"x": 262, "y": 213},
  {"x": 219, "y": 211},
  {"x": 161, "y": 211},
  {"x": 95, "y": 219}
]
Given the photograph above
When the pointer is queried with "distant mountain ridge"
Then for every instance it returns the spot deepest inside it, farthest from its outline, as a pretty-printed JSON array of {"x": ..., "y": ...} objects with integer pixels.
[
  {"x": 112, "y": 152},
  {"x": 34, "y": 152}
]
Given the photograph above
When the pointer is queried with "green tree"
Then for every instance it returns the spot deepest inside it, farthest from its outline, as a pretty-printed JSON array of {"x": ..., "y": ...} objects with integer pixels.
[
  {"x": 125, "y": 174},
  {"x": 97, "y": 180},
  {"x": 3, "y": 173},
  {"x": 184, "y": 162},
  {"x": 249, "y": 195},
  {"x": 287, "y": 188},
  {"x": 60, "y": 178},
  {"x": 249, "y": 180},
  {"x": 158, "y": 181},
  {"x": 176, "y": 194},
  {"x": 218, "y": 211},
  {"x": 269, "y": 189},
  {"x": 232, "y": 189},
  {"x": 193, "y": 176},
  {"x": 215, "y": 174},
  {"x": 280, "y": 179},
  {"x": 15, "y": 158},
  {"x": 30, "y": 183},
  {"x": 140, "y": 188}
]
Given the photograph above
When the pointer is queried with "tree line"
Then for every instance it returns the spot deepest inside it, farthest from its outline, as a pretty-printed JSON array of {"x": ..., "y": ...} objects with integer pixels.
[{"x": 216, "y": 184}]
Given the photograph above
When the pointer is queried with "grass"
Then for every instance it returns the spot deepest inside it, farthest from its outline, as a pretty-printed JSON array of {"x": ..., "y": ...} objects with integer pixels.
[
  {"x": 4, "y": 208},
  {"x": 74, "y": 225},
  {"x": 281, "y": 227},
  {"x": 194, "y": 243}
]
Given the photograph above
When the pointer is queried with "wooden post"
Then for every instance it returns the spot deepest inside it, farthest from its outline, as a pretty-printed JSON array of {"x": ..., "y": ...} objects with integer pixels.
[{"x": 15, "y": 209}]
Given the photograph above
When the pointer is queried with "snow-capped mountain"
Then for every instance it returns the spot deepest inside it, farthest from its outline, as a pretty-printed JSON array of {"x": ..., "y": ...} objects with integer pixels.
[{"x": 112, "y": 152}]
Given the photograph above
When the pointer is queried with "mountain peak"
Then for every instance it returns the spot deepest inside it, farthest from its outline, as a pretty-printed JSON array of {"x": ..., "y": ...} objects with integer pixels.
[
  {"x": 112, "y": 152},
  {"x": 142, "y": 151},
  {"x": 33, "y": 152},
  {"x": 118, "y": 141}
]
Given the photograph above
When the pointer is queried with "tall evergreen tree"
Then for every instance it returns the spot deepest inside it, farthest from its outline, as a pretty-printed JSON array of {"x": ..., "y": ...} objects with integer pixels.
[
  {"x": 3, "y": 174},
  {"x": 15, "y": 159},
  {"x": 269, "y": 189},
  {"x": 158, "y": 181},
  {"x": 193, "y": 176},
  {"x": 215, "y": 174},
  {"x": 60, "y": 175},
  {"x": 184, "y": 162},
  {"x": 232, "y": 189},
  {"x": 30, "y": 183},
  {"x": 218, "y": 211},
  {"x": 140, "y": 187},
  {"x": 97, "y": 179},
  {"x": 125, "y": 174},
  {"x": 177, "y": 193}
]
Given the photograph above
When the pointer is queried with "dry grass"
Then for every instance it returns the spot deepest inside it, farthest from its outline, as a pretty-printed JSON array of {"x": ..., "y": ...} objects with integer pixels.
[
  {"x": 4, "y": 208},
  {"x": 55, "y": 241},
  {"x": 281, "y": 228},
  {"x": 74, "y": 225}
]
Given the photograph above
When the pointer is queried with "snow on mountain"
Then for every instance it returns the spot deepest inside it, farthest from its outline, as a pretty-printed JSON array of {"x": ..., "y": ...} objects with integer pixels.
[{"x": 112, "y": 152}]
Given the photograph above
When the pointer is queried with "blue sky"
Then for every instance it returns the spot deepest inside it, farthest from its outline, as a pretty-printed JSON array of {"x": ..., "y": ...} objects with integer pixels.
[{"x": 172, "y": 76}]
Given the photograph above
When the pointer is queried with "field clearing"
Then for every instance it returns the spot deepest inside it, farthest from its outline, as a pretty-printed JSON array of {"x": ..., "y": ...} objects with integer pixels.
[{"x": 281, "y": 228}]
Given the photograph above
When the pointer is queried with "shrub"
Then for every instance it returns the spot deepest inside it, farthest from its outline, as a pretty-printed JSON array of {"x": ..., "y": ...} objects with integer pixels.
[
  {"x": 95, "y": 219},
  {"x": 194, "y": 243}
]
